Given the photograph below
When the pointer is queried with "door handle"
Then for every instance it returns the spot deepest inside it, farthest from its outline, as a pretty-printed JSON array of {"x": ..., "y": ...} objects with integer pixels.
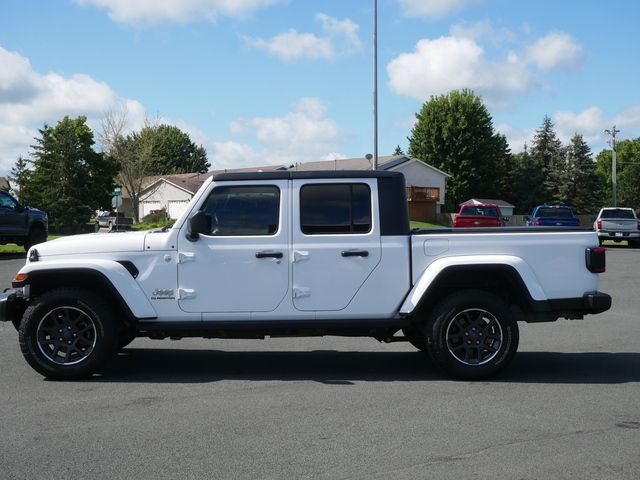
[
  {"x": 354, "y": 253},
  {"x": 269, "y": 255}
]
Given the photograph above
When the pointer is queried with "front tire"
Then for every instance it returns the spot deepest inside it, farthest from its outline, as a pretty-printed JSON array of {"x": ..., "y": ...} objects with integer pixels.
[
  {"x": 471, "y": 335},
  {"x": 35, "y": 236},
  {"x": 67, "y": 333}
]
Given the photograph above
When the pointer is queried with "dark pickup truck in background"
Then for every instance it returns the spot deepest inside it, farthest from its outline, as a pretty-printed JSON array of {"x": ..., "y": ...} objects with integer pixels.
[
  {"x": 553, "y": 216},
  {"x": 21, "y": 224},
  {"x": 114, "y": 221}
]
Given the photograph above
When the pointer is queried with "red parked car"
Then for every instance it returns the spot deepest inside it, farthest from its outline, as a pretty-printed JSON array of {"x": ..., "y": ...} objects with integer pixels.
[{"x": 486, "y": 215}]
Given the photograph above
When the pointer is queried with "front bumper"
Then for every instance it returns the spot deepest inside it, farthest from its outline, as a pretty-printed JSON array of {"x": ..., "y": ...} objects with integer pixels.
[
  {"x": 6, "y": 299},
  {"x": 12, "y": 305}
]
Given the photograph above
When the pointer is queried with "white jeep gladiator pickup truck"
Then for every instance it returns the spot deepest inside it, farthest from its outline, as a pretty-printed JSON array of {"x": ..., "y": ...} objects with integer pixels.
[{"x": 301, "y": 254}]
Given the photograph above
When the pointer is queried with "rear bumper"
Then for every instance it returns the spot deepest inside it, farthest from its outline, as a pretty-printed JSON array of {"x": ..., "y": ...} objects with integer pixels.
[
  {"x": 613, "y": 235},
  {"x": 590, "y": 303}
]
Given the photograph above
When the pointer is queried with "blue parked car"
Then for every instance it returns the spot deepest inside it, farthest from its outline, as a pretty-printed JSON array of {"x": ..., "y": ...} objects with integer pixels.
[{"x": 553, "y": 216}]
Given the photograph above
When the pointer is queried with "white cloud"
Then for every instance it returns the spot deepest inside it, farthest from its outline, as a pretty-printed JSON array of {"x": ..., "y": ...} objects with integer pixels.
[
  {"x": 339, "y": 37},
  {"x": 181, "y": 11},
  {"x": 28, "y": 99},
  {"x": 460, "y": 61},
  {"x": 433, "y": 9},
  {"x": 590, "y": 123},
  {"x": 483, "y": 30},
  {"x": 448, "y": 63},
  {"x": 516, "y": 137},
  {"x": 305, "y": 134},
  {"x": 557, "y": 49},
  {"x": 629, "y": 118}
]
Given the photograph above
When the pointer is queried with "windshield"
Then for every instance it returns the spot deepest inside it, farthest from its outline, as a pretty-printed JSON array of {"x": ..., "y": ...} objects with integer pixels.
[
  {"x": 617, "y": 213},
  {"x": 555, "y": 212}
]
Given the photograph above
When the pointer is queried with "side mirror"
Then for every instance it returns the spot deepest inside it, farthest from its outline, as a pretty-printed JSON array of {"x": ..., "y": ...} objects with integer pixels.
[
  {"x": 506, "y": 219},
  {"x": 199, "y": 223}
]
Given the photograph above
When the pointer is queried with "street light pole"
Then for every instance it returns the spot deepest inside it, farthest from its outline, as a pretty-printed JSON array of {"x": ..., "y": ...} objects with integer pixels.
[
  {"x": 375, "y": 85},
  {"x": 614, "y": 166}
]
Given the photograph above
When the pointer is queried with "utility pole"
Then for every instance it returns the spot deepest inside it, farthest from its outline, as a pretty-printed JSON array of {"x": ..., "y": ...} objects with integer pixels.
[
  {"x": 614, "y": 166},
  {"x": 375, "y": 85}
]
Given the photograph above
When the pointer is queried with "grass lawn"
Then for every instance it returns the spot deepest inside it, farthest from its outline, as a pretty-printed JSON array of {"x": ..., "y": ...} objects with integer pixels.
[
  {"x": 13, "y": 248},
  {"x": 425, "y": 225}
]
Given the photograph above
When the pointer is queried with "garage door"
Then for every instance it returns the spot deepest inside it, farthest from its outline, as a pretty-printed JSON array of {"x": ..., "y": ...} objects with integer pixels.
[
  {"x": 146, "y": 207},
  {"x": 177, "y": 207}
]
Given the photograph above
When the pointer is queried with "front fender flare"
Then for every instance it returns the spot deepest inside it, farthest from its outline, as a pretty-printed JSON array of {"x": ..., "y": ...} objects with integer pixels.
[{"x": 113, "y": 272}]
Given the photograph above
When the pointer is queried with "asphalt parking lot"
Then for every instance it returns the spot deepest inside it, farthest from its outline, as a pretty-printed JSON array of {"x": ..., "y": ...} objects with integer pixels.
[{"x": 568, "y": 407}]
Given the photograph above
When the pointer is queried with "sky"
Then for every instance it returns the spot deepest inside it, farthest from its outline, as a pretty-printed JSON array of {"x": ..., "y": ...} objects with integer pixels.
[{"x": 280, "y": 82}]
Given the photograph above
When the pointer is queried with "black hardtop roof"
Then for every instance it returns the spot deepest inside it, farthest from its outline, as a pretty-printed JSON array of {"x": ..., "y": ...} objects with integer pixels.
[{"x": 307, "y": 175}]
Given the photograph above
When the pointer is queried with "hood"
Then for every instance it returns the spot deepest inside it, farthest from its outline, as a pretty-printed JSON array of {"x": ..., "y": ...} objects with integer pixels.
[{"x": 94, "y": 243}]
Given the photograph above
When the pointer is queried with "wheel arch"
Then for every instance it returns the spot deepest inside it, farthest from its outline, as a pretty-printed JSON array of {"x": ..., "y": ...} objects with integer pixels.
[
  {"x": 116, "y": 284},
  {"x": 513, "y": 281}
]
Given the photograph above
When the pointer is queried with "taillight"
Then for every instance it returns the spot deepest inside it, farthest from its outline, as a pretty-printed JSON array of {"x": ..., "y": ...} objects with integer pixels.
[
  {"x": 599, "y": 225},
  {"x": 595, "y": 259},
  {"x": 536, "y": 222}
]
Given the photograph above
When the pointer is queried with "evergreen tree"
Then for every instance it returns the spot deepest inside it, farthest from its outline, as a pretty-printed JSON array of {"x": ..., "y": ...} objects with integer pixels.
[
  {"x": 526, "y": 174},
  {"x": 578, "y": 182},
  {"x": 455, "y": 133},
  {"x": 69, "y": 179},
  {"x": 19, "y": 176},
  {"x": 546, "y": 163},
  {"x": 398, "y": 151}
]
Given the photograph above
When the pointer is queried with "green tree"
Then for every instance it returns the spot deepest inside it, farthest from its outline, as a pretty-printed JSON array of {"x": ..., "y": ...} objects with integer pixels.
[
  {"x": 578, "y": 183},
  {"x": 455, "y": 133},
  {"x": 398, "y": 151},
  {"x": 171, "y": 150},
  {"x": 547, "y": 156},
  {"x": 628, "y": 173},
  {"x": 69, "y": 178},
  {"x": 19, "y": 176},
  {"x": 525, "y": 174}
]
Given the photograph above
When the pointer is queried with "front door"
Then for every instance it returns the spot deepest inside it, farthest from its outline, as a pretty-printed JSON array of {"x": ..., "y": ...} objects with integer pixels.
[
  {"x": 336, "y": 241},
  {"x": 243, "y": 264}
]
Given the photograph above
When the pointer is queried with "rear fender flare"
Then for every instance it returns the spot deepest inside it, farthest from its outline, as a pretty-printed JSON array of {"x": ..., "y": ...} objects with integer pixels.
[{"x": 429, "y": 277}]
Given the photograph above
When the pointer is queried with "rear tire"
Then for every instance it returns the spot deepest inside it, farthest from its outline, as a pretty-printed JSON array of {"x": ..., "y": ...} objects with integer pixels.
[
  {"x": 67, "y": 333},
  {"x": 471, "y": 335}
]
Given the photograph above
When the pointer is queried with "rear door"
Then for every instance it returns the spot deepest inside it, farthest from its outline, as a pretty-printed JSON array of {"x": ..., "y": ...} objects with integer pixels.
[{"x": 336, "y": 241}]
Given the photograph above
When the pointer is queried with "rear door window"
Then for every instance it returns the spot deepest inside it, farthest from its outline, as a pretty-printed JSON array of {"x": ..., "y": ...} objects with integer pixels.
[{"x": 343, "y": 208}]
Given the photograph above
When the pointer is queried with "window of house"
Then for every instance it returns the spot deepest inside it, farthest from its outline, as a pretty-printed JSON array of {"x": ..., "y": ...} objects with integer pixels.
[
  {"x": 343, "y": 208},
  {"x": 244, "y": 210}
]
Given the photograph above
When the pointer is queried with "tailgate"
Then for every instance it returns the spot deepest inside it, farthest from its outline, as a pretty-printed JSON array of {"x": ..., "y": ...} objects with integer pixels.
[{"x": 620, "y": 224}]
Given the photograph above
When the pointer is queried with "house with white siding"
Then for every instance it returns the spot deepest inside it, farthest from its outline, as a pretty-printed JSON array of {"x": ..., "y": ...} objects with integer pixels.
[
  {"x": 416, "y": 172},
  {"x": 172, "y": 193}
]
